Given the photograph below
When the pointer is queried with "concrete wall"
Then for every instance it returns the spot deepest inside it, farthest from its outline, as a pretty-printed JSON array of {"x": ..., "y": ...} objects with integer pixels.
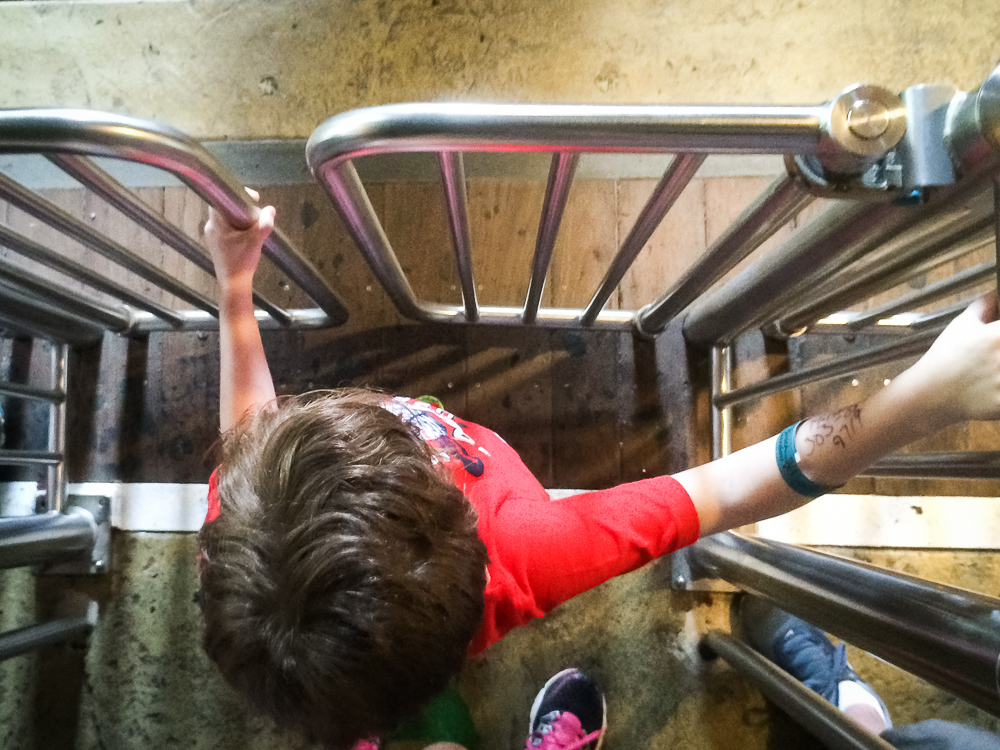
[{"x": 254, "y": 69}]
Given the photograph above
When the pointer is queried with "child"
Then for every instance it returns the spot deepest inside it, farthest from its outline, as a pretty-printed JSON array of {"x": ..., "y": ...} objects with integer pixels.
[{"x": 359, "y": 546}]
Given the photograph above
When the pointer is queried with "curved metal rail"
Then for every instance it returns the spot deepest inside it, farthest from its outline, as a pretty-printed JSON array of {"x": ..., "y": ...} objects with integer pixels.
[
  {"x": 68, "y": 136},
  {"x": 822, "y": 132}
]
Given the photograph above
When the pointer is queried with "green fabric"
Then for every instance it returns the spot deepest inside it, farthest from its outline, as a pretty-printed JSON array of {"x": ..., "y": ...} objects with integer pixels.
[
  {"x": 432, "y": 400},
  {"x": 446, "y": 719}
]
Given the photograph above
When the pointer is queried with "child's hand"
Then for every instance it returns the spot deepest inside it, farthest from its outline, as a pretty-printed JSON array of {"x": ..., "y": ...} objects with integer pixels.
[
  {"x": 236, "y": 252},
  {"x": 960, "y": 374}
]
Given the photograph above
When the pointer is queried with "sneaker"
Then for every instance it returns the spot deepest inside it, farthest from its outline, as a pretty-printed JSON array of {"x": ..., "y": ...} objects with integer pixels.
[
  {"x": 569, "y": 713},
  {"x": 369, "y": 744},
  {"x": 801, "y": 649}
]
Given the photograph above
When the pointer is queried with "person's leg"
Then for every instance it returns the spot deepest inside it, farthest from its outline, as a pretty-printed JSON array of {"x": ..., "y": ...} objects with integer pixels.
[
  {"x": 805, "y": 652},
  {"x": 569, "y": 713}
]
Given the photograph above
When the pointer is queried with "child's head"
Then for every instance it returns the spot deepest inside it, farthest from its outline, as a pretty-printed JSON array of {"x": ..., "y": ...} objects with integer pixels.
[{"x": 343, "y": 580}]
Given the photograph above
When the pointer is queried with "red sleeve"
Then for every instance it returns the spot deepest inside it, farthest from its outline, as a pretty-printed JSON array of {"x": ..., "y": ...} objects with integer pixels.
[
  {"x": 213, "y": 497},
  {"x": 558, "y": 549}
]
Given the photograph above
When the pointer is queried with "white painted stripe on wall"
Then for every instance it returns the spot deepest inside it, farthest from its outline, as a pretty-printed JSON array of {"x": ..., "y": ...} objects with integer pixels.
[
  {"x": 832, "y": 520},
  {"x": 885, "y": 521},
  {"x": 151, "y": 506}
]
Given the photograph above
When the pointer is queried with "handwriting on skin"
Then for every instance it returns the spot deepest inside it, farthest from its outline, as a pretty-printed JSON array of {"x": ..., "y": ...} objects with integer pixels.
[{"x": 838, "y": 428}]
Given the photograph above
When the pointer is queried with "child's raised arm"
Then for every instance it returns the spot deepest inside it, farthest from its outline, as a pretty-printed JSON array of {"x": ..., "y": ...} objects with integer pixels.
[
  {"x": 957, "y": 379},
  {"x": 244, "y": 379}
]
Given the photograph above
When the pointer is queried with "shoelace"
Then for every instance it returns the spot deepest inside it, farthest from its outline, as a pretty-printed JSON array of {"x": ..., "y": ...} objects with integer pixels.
[{"x": 560, "y": 730}]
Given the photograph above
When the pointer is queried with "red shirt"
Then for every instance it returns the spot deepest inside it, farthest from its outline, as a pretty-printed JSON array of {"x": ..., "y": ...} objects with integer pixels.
[{"x": 542, "y": 551}]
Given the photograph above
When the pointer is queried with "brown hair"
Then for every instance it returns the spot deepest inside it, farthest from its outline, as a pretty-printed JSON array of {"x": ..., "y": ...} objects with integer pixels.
[{"x": 344, "y": 579}]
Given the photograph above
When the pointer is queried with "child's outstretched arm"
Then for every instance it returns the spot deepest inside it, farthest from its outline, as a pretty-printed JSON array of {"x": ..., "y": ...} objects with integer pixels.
[
  {"x": 956, "y": 380},
  {"x": 244, "y": 379}
]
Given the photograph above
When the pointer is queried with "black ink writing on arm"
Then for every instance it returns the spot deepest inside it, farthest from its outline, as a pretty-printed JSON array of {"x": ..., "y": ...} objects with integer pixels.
[{"x": 839, "y": 427}]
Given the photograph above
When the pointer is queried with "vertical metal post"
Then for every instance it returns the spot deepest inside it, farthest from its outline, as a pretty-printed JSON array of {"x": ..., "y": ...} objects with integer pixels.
[
  {"x": 453, "y": 179},
  {"x": 775, "y": 207},
  {"x": 996, "y": 227},
  {"x": 561, "y": 173},
  {"x": 680, "y": 172},
  {"x": 722, "y": 374},
  {"x": 56, "y": 495}
]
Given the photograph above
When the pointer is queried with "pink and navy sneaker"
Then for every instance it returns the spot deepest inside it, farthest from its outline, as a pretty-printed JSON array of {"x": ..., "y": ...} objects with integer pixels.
[{"x": 569, "y": 713}]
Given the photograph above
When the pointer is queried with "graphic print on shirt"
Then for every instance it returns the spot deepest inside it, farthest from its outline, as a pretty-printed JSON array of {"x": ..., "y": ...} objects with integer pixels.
[{"x": 440, "y": 429}]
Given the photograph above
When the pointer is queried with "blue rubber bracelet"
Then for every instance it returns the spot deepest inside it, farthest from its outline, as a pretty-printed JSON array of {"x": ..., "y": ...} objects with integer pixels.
[{"x": 784, "y": 452}]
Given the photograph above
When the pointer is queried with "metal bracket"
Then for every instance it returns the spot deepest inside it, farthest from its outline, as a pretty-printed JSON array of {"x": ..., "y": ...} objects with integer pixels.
[
  {"x": 687, "y": 575},
  {"x": 97, "y": 507}
]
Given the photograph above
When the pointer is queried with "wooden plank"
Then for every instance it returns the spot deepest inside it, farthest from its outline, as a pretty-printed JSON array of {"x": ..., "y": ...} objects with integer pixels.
[
  {"x": 327, "y": 244},
  {"x": 417, "y": 227},
  {"x": 587, "y": 445},
  {"x": 586, "y": 244},
  {"x": 509, "y": 389},
  {"x": 725, "y": 200},
  {"x": 187, "y": 212},
  {"x": 503, "y": 226},
  {"x": 426, "y": 360},
  {"x": 677, "y": 243}
]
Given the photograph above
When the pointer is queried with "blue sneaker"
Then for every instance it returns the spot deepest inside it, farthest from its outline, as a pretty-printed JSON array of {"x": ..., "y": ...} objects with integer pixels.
[
  {"x": 800, "y": 648},
  {"x": 569, "y": 713}
]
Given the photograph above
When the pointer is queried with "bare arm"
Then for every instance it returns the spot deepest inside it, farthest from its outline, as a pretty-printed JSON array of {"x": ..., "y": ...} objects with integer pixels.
[
  {"x": 956, "y": 380},
  {"x": 244, "y": 379}
]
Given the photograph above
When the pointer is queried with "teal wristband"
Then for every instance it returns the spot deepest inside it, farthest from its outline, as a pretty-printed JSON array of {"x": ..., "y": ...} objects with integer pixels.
[{"x": 788, "y": 465}]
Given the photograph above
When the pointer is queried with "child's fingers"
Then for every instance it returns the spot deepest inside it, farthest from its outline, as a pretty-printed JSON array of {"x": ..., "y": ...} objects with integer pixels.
[
  {"x": 265, "y": 222},
  {"x": 252, "y": 193}
]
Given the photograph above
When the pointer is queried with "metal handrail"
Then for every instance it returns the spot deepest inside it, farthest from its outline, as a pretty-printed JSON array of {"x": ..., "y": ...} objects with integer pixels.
[
  {"x": 821, "y": 132},
  {"x": 68, "y": 135},
  {"x": 816, "y": 714},
  {"x": 947, "y": 636}
]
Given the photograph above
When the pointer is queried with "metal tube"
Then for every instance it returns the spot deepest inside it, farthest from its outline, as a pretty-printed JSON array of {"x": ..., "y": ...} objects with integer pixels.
[
  {"x": 25, "y": 313},
  {"x": 29, "y": 458},
  {"x": 42, "y": 254},
  {"x": 942, "y": 634},
  {"x": 774, "y": 208},
  {"x": 996, "y": 229},
  {"x": 555, "y": 317},
  {"x": 89, "y": 133},
  {"x": 561, "y": 173},
  {"x": 722, "y": 374},
  {"x": 16, "y": 642},
  {"x": 63, "y": 299},
  {"x": 87, "y": 173},
  {"x": 840, "y": 236},
  {"x": 279, "y": 250},
  {"x": 893, "y": 264},
  {"x": 56, "y": 495},
  {"x": 820, "y": 717},
  {"x": 943, "y": 316},
  {"x": 26, "y": 391},
  {"x": 351, "y": 201},
  {"x": 453, "y": 180},
  {"x": 961, "y": 281},
  {"x": 56, "y": 218},
  {"x": 961, "y": 465},
  {"x": 46, "y": 537},
  {"x": 566, "y": 127},
  {"x": 677, "y": 176},
  {"x": 908, "y": 347}
]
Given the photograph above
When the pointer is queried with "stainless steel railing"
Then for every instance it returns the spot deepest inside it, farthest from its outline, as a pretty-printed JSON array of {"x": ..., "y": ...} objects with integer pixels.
[
  {"x": 912, "y": 178},
  {"x": 837, "y": 136},
  {"x": 54, "y": 535},
  {"x": 947, "y": 636},
  {"x": 68, "y": 138}
]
